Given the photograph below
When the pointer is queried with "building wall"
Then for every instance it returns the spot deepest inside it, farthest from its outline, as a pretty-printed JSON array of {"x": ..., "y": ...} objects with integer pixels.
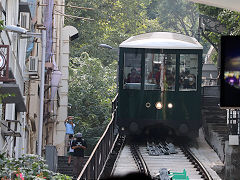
[
  {"x": 33, "y": 114},
  {"x": 13, "y": 146},
  {"x": 53, "y": 126}
]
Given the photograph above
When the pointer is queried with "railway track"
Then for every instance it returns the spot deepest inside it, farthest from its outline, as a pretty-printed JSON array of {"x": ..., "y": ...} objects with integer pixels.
[
  {"x": 154, "y": 162},
  {"x": 140, "y": 162}
]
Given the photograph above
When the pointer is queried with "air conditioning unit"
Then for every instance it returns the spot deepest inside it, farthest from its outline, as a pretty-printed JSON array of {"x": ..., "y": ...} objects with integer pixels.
[
  {"x": 25, "y": 20},
  {"x": 33, "y": 64}
]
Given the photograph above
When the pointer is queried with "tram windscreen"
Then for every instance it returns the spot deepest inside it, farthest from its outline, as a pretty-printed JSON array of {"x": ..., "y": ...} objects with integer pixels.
[
  {"x": 160, "y": 71},
  {"x": 230, "y": 72}
]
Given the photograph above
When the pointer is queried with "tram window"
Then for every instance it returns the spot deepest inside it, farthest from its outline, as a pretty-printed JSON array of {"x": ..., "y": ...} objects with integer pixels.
[
  {"x": 188, "y": 72},
  {"x": 132, "y": 70},
  {"x": 160, "y": 71}
]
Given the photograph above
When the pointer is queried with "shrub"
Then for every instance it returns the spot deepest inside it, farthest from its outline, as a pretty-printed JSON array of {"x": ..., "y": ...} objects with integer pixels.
[{"x": 28, "y": 166}]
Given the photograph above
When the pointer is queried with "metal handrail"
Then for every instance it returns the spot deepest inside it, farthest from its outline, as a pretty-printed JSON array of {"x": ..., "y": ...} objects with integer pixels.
[{"x": 96, "y": 162}]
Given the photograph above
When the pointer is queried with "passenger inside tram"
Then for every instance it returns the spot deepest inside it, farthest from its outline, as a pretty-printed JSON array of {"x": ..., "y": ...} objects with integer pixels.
[
  {"x": 189, "y": 82},
  {"x": 133, "y": 76},
  {"x": 158, "y": 75},
  {"x": 188, "y": 69},
  {"x": 170, "y": 79}
]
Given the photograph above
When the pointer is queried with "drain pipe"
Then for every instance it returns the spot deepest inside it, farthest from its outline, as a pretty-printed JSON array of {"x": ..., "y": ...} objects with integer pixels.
[{"x": 40, "y": 124}]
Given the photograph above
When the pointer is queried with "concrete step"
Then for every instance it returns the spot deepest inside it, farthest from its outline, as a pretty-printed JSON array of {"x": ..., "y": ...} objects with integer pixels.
[
  {"x": 221, "y": 134},
  {"x": 221, "y": 121},
  {"x": 218, "y": 126},
  {"x": 215, "y": 125},
  {"x": 63, "y": 166},
  {"x": 213, "y": 109},
  {"x": 217, "y": 111}
]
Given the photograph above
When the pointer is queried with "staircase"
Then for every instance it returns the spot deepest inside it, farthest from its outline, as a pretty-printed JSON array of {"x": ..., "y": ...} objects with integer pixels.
[
  {"x": 63, "y": 167},
  {"x": 215, "y": 125}
]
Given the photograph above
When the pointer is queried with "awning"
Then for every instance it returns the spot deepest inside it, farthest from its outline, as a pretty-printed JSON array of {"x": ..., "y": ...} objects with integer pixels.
[
  {"x": 233, "y": 5},
  {"x": 17, "y": 99}
]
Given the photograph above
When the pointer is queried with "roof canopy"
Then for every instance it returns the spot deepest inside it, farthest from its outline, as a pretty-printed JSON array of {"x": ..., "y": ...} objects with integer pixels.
[
  {"x": 233, "y": 5},
  {"x": 162, "y": 40}
]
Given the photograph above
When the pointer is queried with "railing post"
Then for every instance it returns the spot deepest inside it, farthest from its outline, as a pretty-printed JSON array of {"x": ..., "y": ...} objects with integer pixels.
[
  {"x": 102, "y": 156},
  {"x": 95, "y": 165}
]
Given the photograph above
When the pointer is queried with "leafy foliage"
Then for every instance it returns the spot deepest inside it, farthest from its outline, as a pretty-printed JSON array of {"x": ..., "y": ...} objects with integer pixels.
[
  {"x": 92, "y": 86},
  {"x": 30, "y": 166},
  {"x": 92, "y": 83},
  {"x": 2, "y": 96},
  {"x": 175, "y": 16},
  {"x": 1, "y": 25},
  {"x": 230, "y": 19},
  {"x": 115, "y": 21}
]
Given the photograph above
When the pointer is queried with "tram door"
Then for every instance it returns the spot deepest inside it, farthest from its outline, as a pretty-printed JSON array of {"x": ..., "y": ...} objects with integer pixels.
[{"x": 160, "y": 76}]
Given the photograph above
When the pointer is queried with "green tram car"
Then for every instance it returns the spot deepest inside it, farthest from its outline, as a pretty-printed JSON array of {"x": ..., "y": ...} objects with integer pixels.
[{"x": 160, "y": 84}]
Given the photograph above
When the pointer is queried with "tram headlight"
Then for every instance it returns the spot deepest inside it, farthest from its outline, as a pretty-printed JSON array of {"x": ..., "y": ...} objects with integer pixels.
[
  {"x": 148, "y": 105},
  {"x": 158, "y": 105},
  {"x": 170, "y": 105}
]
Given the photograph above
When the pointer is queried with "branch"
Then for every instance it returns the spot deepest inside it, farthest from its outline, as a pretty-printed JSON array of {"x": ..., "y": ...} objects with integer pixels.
[
  {"x": 62, "y": 14},
  {"x": 78, "y": 7},
  {"x": 210, "y": 41},
  {"x": 183, "y": 25}
]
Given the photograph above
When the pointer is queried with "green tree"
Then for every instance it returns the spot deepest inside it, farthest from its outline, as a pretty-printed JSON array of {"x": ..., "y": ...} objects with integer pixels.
[
  {"x": 92, "y": 87},
  {"x": 212, "y": 12},
  {"x": 175, "y": 16},
  {"x": 114, "y": 21},
  {"x": 229, "y": 19}
]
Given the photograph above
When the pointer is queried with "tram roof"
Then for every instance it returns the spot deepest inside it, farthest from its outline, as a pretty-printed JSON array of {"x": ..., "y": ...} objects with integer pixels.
[{"x": 162, "y": 40}]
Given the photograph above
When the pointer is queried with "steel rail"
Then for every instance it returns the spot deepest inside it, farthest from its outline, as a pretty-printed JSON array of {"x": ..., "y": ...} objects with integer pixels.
[
  {"x": 205, "y": 174},
  {"x": 121, "y": 144},
  {"x": 141, "y": 164}
]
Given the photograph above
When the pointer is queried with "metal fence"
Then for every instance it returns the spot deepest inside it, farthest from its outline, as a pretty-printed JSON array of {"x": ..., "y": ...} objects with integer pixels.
[
  {"x": 233, "y": 121},
  {"x": 99, "y": 156},
  {"x": 211, "y": 91}
]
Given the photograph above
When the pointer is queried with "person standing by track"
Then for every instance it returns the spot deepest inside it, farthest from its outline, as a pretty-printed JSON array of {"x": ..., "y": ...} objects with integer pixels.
[{"x": 79, "y": 145}]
